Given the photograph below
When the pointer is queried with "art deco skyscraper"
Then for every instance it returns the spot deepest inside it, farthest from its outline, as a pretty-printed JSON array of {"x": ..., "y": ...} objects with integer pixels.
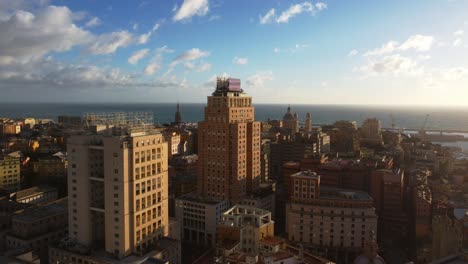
[{"x": 229, "y": 144}]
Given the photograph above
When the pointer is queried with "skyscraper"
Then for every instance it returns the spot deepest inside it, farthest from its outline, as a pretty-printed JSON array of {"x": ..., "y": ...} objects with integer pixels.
[
  {"x": 229, "y": 144},
  {"x": 308, "y": 123},
  {"x": 118, "y": 193}
]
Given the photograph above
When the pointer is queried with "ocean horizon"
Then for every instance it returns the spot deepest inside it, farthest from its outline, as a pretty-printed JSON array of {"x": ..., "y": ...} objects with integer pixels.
[{"x": 403, "y": 116}]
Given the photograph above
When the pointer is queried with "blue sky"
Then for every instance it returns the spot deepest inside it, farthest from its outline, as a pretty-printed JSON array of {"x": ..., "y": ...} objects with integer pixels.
[{"x": 308, "y": 52}]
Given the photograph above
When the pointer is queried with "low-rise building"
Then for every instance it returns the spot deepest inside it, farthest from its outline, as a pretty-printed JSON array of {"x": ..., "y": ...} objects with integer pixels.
[
  {"x": 328, "y": 219},
  {"x": 198, "y": 217},
  {"x": 33, "y": 228},
  {"x": 36, "y": 195}
]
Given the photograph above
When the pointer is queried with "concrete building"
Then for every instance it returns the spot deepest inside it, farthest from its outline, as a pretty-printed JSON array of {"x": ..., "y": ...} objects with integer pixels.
[
  {"x": 265, "y": 160},
  {"x": 10, "y": 175},
  {"x": 328, "y": 219},
  {"x": 387, "y": 190},
  {"x": 173, "y": 143},
  {"x": 30, "y": 122},
  {"x": 344, "y": 136},
  {"x": 32, "y": 229},
  {"x": 242, "y": 228},
  {"x": 447, "y": 236},
  {"x": 10, "y": 129},
  {"x": 229, "y": 144},
  {"x": 370, "y": 132},
  {"x": 198, "y": 217},
  {"x": 51, "y": 166},
  {"x": 118, "y": 197}
]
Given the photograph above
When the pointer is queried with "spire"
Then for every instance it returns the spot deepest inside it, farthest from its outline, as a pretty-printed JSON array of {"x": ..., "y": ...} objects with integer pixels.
[{"x": 289, "y": 109}]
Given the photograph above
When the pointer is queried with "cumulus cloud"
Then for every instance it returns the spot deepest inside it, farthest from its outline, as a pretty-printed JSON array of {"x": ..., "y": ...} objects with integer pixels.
[
  {"x": 95, "y": 21},
  {"x": 458, "y": 32},
  {"x": 110, "y": 42},
  {"x": 416, "y": 42},
  {"x": 240, "y": 60},
  {"x": 137, "y": 55},
  {"x": 392, "y": 64},
  {"x": 268, "y": 17},
  {"x": 294, "y": 10},
  {"x": 190, "y": 8},
  {"x": 156, "y": 63},
  {"x": 258, "y": 79},
  {"x": 352, "y": 53},
  {"x": 276, "y": 50},
  {"x": 151, "y": 68},
  {"x": 33, "y": 35},
  {"x": 201, "y": 67},
  {"x": 156, "y": 27},
  {"x": 457, "y": 42},
  {"x": 189, "y": 55},
  {"x": 143, "y": 38},
  {"x": 291, "y": 12}
]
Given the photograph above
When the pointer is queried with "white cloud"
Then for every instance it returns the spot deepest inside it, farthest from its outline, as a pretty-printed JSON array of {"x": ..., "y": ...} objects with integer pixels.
[
  {"x": 151, "y": 68},
  {"x": 392, "y": 64},
  {"x": 352, "y": 53},
  {"x": 135, "y": 26},
  {"x": 268, "y": 17},
  {"x": 156, "y": 27},
  {"x": 190, "y": 8},
  {"x": 386, "y": 48},
  {"x": 453, "y": 74},
  {"x": 291, "y": 12},
  {"x": 240, "y": 60},
  {"x": 197, "y": 67},
  {"x": 416, "y": 42},
  {"x": 156, "y": 63},
  {"x": 457, "y": 42},
  {"x": 258, "y": 79},
  {"x": 110, "y": 42},
  {"x": 189, "y": 55},
  {"x": 51, "y": 29},
  {"x": 458, "y": 33},
  {"x": 276, "y": 50},
  {"x": 137, "y": 55},
  {"x": 95, "y": 21},
  {"x": 215, "y": 17},
  {"x": 294, "y": 10},
  {"x": 320, "y": 6},
  {"x": 143, "y": 38}
]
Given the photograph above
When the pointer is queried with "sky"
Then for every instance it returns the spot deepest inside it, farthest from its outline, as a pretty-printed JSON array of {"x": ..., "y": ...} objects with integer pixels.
[{"x": 359, "y": 52}]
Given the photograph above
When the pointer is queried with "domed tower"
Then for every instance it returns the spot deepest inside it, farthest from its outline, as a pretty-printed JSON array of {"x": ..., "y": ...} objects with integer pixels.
[
  {"x": 290, "y": 122},
  {"x": 308, "y": 123},
  {"x": 178, "y": 116}
]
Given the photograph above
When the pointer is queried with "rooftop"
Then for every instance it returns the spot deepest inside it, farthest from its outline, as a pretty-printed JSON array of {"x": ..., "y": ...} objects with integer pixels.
[
  {"x": 307, "y": 174},
  {"x": 39, "y": 212},
  {"x": 33, "y": 191},
  {"x": 343, "y": 194},
  {"x": 193, "y": 197}
]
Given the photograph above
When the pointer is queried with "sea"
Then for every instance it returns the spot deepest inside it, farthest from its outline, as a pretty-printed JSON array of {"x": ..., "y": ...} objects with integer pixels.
[{"x": 439, "y": 118}]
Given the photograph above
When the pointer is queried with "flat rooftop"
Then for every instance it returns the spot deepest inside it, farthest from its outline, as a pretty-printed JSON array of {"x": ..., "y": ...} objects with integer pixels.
[
  {"x": 192, "y": 197},
  {"x": 35, "y": 213},
  {"x": 343, "y": 194}
]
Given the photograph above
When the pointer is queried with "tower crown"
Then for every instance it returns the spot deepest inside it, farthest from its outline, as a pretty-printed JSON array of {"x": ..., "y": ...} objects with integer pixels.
[{"x": 227, "y": 85}]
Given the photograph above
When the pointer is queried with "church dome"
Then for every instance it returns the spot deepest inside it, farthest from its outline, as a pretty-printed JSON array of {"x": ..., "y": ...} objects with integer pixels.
[{"x": 288, "y": 116}]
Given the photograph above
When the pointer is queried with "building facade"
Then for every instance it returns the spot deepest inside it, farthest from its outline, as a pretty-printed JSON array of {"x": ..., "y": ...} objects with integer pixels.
[
  {"x": 10, "y": 176},
  {"x": 328, "y": 219},
  {"x": 229, "y": 144},
  {"x": 118, "y": 194}
]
